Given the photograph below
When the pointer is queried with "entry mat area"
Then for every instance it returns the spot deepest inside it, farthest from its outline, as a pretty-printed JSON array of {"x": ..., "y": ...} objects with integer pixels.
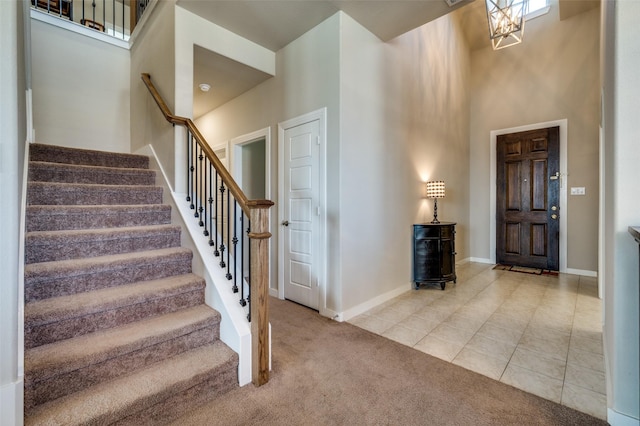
[{"x": 525, "y": 270}]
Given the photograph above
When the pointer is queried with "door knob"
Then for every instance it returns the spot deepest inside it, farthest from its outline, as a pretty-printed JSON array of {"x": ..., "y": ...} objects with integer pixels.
[{"x": 285, "y": 223}]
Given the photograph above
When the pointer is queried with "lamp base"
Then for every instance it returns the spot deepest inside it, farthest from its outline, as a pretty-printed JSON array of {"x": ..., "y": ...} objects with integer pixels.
[{"x": 435, "y": 211}]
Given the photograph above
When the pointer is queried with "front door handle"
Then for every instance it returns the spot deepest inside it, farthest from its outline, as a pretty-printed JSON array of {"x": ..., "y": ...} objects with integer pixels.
[{"x": 285, "y": 223}]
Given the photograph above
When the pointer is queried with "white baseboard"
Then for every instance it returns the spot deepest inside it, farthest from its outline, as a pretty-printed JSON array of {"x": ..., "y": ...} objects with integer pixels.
[
  {"x": 372, "y": 303},
  {"x": 480, "y": 260},
  {"x": 11, "y": 403},
  {"x": 582, "y": 272},
  {"x": 618, "y": 419}
]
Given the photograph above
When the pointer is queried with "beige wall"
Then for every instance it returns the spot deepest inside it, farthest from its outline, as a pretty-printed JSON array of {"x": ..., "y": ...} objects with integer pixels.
[
  {"x": 433, "y": 111},
  {"x": 153, "y": 53},
  {"x": 80, "y": 90},
  {"x": 552, "y": 75},
  {"x": 404, "y": 120}
]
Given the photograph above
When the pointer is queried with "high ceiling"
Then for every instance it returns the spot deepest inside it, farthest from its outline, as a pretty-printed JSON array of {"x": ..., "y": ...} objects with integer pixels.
[{"x": 275, "y": 23}]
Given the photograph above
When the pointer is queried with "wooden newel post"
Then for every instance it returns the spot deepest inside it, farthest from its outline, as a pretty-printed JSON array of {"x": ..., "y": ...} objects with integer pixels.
[{"x": 259, "y": 289}]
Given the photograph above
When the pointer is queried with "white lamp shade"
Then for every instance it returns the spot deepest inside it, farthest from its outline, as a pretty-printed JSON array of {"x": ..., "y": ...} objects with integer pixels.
[{"x": 435, "y": 189}]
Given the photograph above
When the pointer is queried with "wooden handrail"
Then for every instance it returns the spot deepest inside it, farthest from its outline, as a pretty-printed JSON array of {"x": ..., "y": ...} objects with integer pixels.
[
  {"x": 183, "y": 121},
  {"x": 258, "y": 213}
]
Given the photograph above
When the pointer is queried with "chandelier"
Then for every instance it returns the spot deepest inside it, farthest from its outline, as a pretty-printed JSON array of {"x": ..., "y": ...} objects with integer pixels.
[{"x": 506, "y": 21}]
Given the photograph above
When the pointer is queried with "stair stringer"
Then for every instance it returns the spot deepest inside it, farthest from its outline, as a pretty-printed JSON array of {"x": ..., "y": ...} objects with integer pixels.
[{"x": 235, "y": 330}]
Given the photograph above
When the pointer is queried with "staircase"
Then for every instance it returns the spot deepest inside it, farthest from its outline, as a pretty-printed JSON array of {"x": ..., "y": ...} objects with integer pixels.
[{"x": 116, "y": 329}]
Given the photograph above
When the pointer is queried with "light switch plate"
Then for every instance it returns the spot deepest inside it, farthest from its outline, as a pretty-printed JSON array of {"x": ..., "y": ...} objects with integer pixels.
[{"x": 577, "y": 190}]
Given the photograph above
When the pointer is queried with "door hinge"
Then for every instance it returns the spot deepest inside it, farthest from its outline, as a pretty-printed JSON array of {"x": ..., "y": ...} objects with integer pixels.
[
  {"x": 317, "y": 140},
  {"x": 317, "y": 211}
]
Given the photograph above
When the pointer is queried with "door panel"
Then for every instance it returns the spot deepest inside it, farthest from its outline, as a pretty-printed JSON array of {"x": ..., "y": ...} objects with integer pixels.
[
  {"x": 526, "y": 226},
  {"x": 300, "y": 234}
]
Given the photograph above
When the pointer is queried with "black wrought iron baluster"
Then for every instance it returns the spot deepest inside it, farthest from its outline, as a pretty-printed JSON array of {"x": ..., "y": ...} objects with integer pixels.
[
  {"x": 242, "y": 246},
  {"x": 201, "y": 187},
  {"x": 114, "y": 20},
  {"x": 234, "y": 241},
  {"x": 189, "y": 169},
  {"x": 209, "y": 200},
  {"x": 104, "y": 13},
  {"x": 113, "y": 2},
  {"x": 193, "y": 170},
  {"x": 196, "y": 193},
  {"x": 82, "y": 12},
  {"x": 249, "y": 271},
  {"x": 214, "y": 230},
  {"x": 222, "y": 247},
  {"x": 228, "y": 275}
]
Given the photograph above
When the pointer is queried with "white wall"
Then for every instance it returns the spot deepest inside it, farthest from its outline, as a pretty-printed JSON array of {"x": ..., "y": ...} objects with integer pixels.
[
  {"x": 374, "y": 217},
  {"x": 153, "y": 53},
  {"x": 621, "y": 100},
  {"x": 552, "y": 75},
  {"x": 80, "y": 90},
  {"x": 12, "y": 142}
]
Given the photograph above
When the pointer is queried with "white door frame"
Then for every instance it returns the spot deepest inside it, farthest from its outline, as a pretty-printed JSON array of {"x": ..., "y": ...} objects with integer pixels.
[
  {"x": 563, "y": 185},
  {"x": 321, "y": 116},
  {"x": 235, "y": 164}
]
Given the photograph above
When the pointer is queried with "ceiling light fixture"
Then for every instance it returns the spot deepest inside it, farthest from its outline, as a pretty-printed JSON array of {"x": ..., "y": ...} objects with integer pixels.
[
  {"x": 204, "y": 87},
  {"x": 506, "y": 21}
]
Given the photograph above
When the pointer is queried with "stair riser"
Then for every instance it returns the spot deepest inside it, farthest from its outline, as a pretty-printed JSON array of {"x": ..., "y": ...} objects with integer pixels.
[
  {"x": 64, "y": 384},
  {"x": 43, "y": 220},
  {"x": 80, "y": 281},
  {"x": 178, "y": 405},
  {"x": 48, "y": 333},
  {"x": 41, "y": 173},
  {"x": 63, "y": 194},
  {"x": 52, "y": 249},
  {"x": 55, "y": 154}
]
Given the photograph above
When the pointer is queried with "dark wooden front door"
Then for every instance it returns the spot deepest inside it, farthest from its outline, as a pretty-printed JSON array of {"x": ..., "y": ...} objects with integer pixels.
[{"x": 527, "y": 211}]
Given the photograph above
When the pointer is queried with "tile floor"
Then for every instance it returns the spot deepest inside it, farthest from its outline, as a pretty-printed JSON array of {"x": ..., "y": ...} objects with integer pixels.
[{"x": 538, "y": 333}]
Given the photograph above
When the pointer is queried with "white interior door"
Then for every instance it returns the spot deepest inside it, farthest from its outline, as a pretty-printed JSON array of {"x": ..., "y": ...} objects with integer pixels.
[{"x": 301, "y": 211}]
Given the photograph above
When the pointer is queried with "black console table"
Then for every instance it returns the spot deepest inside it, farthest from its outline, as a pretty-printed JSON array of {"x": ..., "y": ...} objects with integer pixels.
[{"x": 434, "y": 254}]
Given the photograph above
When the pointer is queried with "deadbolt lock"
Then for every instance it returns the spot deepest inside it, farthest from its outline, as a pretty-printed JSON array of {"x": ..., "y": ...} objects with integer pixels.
[
  {"x": 554, "y": 216},
  {"x": 554, "y": 208}
]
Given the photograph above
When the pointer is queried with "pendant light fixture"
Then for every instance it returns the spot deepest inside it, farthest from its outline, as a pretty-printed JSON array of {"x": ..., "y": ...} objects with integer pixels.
[{"x": 506, "y": 21}]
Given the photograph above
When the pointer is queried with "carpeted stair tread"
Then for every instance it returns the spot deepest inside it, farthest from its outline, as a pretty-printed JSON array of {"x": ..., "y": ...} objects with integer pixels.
[
  {"x": 60, "y": 154},
  {"x": 54, "y": 218},
  {"x": 41, "y": 171},
  {"x": 56, "y": 193},
  {"x": 110, "y": 401},
  {"x": 47, "y": 246},
  {"x": 59, "y": 278},
  {"x": 58, "y": 318},
  {"x": 72, "y": 354},
  {"x": 116, "y": 326}
]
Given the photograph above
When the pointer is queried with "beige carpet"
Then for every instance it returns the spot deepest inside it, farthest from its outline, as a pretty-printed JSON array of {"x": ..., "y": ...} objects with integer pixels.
[{"x": 329, "y": 373}]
